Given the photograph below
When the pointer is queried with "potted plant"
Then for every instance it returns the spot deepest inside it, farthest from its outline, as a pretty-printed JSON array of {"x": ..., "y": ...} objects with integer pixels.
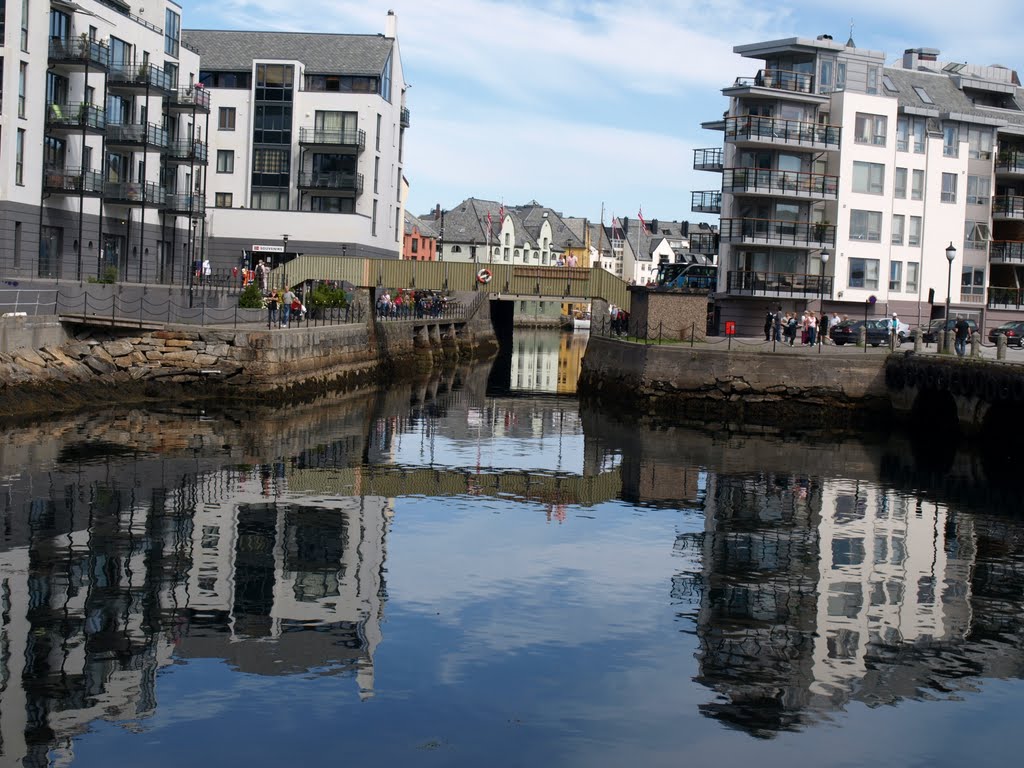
[{"x": 821, "y": 230}]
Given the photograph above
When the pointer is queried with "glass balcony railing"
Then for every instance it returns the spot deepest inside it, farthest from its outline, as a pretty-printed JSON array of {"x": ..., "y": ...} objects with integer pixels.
[
  {"x": 72, "y": 181},
  {"x": 1006, "y": 251},
  {"x": 778, "y": 232},
  {"x": 1010, "y": 161},
  {"x": 79, "y": 52},
  {"x": 133, "y": 193},
  {"x": 191, "y": 205},
  {"x": 793, "y": 183},
  {"x": 136, "y": 134},
  {"x": 404, "y": 119},
  {"x": 338, "y": 182},
  {"x": 778, "y": 131},
  {"x": 187, "y": 98},
  {"x": 75, "y": 116},
  {"x": 707, "y": 159},
  {"x": 187, "y": 150},
  {"x": 706, "y": 202},
  {"x": 351, "y": 137},
  {"x": 1005, "y": 298},
  {"x": 705, "y": 243},
  {"x": 1008, "y": 207},
  {"x": 139, "y": 76},
  {"x": 779, "y": 79},
  {"x": 778, "y": 284}
]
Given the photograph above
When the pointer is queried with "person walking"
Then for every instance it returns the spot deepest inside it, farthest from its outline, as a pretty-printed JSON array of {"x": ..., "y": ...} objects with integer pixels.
[{"x": 961, "y": 331}]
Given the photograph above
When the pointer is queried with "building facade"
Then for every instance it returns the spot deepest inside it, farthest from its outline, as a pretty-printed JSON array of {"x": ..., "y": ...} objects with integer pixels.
[
  {"x": 844, "y": 182},
  {"x": 420, "y": 240},
  {"x": 102, "y": 141}
]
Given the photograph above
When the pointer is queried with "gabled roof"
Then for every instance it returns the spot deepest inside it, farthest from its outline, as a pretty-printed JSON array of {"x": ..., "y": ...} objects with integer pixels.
[
  {"x": 426, "y": 227},
  {"x": 321, "y": 53},
  {"x": 467, "y": 223},
  {"x": 534, "y": 215},
  {"x": 947, "y": 99}
]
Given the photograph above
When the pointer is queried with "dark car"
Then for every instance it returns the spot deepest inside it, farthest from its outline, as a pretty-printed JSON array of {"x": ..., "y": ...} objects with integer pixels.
[
  {"x": 848, "y": 332},
  {"x": 930, "y": 333},
  {"x": 1013, "y": 331}
]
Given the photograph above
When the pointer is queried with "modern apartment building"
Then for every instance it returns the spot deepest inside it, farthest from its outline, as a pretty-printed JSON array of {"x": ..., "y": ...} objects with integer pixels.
[
  {"x": 844, "y": 182},
  {"x": 306, "y": 143},
  {"x": 102, "y": 150}
]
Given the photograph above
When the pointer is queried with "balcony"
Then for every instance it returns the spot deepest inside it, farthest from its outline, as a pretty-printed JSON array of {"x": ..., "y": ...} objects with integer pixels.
[
  {"x": 139, "y": 78},
  {"x": 778, "y": 284},
  {"x": 353, "y": 140},
  {"x": 777, "y": 80},
  {"x": 133, "y": 193},
  {"x": 341, "y": 183},
  {"x": 705, "y": 243},
  {"x": 706, "y": 202},
  {"x": 753, "y": 129},
  {"x": 77, "y": 54},
  {"x": 1006, "y": 252},
  {"x": 403, "y": 120},
  {"x": 707, "y": 159},
  {"x": 1005, "y": 298},
  {"x": 1010, "y": 162},
  {"x": 188, "y": 99},
  {"x": 135, "y": 136},
  {"x": 1008, "y": 207},
  {"x": 794, "y": 234},
  {"x": 75, "y": 118},
  {"x": 193, "y": 206},
  {"x": 72, "y": 181},
  {"x": 186, "y": 151},
  {"x": 755, "y": 181}
]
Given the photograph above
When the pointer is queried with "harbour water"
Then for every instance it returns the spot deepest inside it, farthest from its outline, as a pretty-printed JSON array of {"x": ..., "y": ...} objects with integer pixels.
[{"x": 474, "y": 570}]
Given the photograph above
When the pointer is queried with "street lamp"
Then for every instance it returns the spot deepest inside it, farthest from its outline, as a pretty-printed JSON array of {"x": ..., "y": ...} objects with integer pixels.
[
  {"x": 284, "y": 261},
  {"x": 950, "y": 256},
  {"x": 821, "y": 291}
]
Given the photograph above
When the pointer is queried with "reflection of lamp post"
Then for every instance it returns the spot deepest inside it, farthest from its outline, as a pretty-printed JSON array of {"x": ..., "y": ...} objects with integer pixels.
[
  {"x": 821, "y": 290},
  {"x": 950, "y": 256}
]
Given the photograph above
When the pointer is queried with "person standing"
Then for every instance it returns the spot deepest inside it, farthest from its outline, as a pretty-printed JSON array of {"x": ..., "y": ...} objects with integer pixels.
[
  {"x": 961, "y": 331},
  {"x": 272, "y": 302},
  {"x": 286, "y": 306},
  {"x": 823, "y": 325},
  {"x": 769, "y": 323},
  {"x": 778, "y": 323}
]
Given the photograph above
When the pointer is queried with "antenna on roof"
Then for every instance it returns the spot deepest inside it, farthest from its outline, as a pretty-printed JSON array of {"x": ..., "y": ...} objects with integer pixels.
[{"x": 850, "y": 43}]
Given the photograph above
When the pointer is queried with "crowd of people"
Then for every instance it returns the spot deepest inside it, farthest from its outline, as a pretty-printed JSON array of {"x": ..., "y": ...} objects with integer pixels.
[
  {"x": 811, "y": 328},
  {"x": 408, "y": 303}
]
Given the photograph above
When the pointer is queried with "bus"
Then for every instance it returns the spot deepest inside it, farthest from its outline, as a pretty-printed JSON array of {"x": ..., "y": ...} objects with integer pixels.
[{"x": 689, "y": 277}]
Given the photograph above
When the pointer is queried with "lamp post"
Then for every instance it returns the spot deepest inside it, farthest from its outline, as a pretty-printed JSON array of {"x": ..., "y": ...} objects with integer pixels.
[
  {"x": 950, "y": 256},
  {"x": 284, "y": 261},
  {"x": 821, "y": 291}
]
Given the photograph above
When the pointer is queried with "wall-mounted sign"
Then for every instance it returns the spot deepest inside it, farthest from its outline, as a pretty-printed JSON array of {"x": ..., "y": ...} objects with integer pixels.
[{"x": 267, "y": 249}]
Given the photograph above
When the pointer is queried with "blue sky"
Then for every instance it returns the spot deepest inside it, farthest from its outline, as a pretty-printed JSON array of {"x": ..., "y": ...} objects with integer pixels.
[{"x": 575, "y": 103}]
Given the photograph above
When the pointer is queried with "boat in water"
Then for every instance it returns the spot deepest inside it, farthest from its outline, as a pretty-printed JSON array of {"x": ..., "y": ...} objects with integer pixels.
[{"x": 581, "y": 321}]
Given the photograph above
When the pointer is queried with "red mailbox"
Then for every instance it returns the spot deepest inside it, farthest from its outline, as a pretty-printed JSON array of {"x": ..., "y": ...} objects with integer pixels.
[{"x": 730, "y": 328}]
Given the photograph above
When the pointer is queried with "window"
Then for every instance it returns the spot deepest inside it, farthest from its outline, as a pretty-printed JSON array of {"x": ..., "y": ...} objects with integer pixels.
[
  {"x": 912, "y": 269},
  {"x": 917, "y": 185},
  {"x": 269, "y": 200},
  {"x": 950, "y": 140},
  {"x": 333, "y": 205},
  {"x": 902, "y": 134},
  {"x": 900, "y": 184},
  {"x": 24, "y": 26},
  {"x": 226, "y": 119},
  {"x": 373, "y": 221},
  {"x": 872, "y": 83},
  {"x": 922, "y": 94},
  {"x": 172, "y": 32},
  {"x": 918, "y": 128},
  {"x": 978, "y": 190},
  {"x": 17, "y": 244},
  {"x": 949, "y": 187},
  {"x": 898, "y": 221},
  {"x": 870, "y": 129},
  {"x": 225, "y": 161},
  {"x": 868, "y": 178},
  {"x": 895, "y": 275},
  {"x": 914, "y": 234},
  {"x": 976, "y": 235},
  {"x": 889, "y": 85},
  {"x": 866, "y": 225},
  {"x": 863, "y": 274},
  {"x": 273, "y": 161},
  {"x": 22, "y": 80},
  {"x": 19, "y": 158},
  {"x": 825, "y": 77},
  {"x": 223, "y": 200},
  {"x": 378, "y": 132},
  {"x": 979, "y": 143},
  {"x": 972, "y": 282},
  {"x": 376, "y": 175}
]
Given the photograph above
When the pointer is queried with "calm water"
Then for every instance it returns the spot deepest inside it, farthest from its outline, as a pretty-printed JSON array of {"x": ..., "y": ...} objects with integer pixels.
[{"x": 472, "y": 571}]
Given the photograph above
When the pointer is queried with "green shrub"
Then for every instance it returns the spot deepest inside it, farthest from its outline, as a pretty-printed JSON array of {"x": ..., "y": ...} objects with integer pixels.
[
  {"x": 107, "y": 277},
  {"x": 251, "y": 297},
  {"x": 323, "y": 296}
]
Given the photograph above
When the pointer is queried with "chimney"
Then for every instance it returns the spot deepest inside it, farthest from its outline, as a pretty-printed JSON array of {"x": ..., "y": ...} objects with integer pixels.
[
  {"x": 625, "y": 224},
  {"x": 684, "y": 228},
  {"x": 913, "y": 57},
  {"x": 391, "y": 26},
  {"x": 437, "y": 212},
  {"x": 654, "y": 226}
]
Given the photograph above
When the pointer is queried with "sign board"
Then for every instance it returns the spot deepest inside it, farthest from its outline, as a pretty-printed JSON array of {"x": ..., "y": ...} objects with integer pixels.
[
  {"x": 267, "y": 249},
  {"x": 730, "y": 328}
]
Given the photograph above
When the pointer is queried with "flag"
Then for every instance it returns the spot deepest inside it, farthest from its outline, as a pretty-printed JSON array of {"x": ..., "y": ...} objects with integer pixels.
[
  {"x": 501, "y": 213},
  {"x": 489, "y": 228},
  {"x": 640, "y": 215}
]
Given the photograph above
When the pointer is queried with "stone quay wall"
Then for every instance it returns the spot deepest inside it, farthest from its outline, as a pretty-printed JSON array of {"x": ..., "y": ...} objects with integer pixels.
[{"x": 716, "y": 385}]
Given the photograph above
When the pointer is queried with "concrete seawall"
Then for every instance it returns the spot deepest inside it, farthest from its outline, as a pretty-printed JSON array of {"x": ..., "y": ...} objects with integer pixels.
[{"x": 705, "y": 384}]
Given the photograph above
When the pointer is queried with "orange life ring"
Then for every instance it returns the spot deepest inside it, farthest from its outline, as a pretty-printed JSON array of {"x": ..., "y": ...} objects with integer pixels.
[{"x": 484, "y": 276}]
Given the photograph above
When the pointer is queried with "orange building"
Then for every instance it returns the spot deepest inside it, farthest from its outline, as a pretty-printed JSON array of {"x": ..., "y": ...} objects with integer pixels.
[{"x": 420, "y": 240}]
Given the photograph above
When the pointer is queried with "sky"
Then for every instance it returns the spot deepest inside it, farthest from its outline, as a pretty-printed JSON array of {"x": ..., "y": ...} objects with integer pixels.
[{"x": 591, "y": 105}]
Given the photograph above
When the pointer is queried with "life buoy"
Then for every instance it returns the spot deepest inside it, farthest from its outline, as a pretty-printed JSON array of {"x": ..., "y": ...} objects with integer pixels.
[{"x": 484, "y": 276}]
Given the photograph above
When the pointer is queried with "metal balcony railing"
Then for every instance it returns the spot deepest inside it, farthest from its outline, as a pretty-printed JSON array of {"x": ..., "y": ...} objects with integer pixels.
[
  {"x": 1006, "y": 251},
  {"x": 706, "y": 202},
  {"x": 779, "y": 79},
  {"x": 79, "y": 51},
  {"x": 133, "y": 193},
  {"x": 192, "y": 205},
  {"x": 780, "y": 182},
  {"x": 191, "y": 97},
  {"x": 75, "y": 116},
  {"x": 778, "y": 232},
  {"x": 351, "y": 137},
  {"x": 1010, "y": 161},
  {"x": 72, "y": 181},
  {"x": 778, "y": 131},
  {"x": 707, "y": 159},
  {"x": 139, "y": 76},
  {"x": 136, "y": 134},
  {"x": 404, "y": 119},
  {"x": 1005, "y": 298},
  {"x": 1008, "y": 207},
  {"x": 338, "y": 182},
  {"x": 705, "y": 243},
  {"x": 187, "y": 149},
  {"x": 778, "y": 284}
]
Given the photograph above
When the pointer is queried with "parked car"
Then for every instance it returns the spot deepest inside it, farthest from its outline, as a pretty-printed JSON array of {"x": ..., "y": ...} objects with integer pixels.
[
  {"x": 1013, "y": 331},
  {"x": 930, "y": 333},
  {"x": 848, "y": 332}
]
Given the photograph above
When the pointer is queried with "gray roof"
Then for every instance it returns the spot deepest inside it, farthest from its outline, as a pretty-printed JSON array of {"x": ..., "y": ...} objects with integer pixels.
[
  {"x": 322, "y": 53},
  {"x": 467, "y": 223},
  {"x": 426, "y": 227},
  {"x": 949, "y": 101},
  {"x": 534, "y": 215}
]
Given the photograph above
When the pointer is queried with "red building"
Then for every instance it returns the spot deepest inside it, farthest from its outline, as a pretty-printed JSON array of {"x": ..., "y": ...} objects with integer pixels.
[{"x": 420, "y": 240}]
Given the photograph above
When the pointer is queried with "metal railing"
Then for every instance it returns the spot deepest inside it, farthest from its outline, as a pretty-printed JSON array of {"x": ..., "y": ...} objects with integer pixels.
[
  {"x": 342, "y": 182},
  {"x": 778, "y": 284},
  {"x": 707, "y": 159},
  {"x": 137, "y": 133},
  {"x": 72, "y": 180},
  {"x": 779, "y": 131},
  {"x": 1008, "y": 207},
  {"x": 1006, "y": 250},
  {"x": 1005, "y": 298},
  {"x": 779, "y": 79},
  {"x": 404, "y": 118},
  {"x": 139, "y": 75},
  {"x": 193, "y": 205},
  {"x": 187, "y": 149},
  {"x": 351, "y": 137},
  {"x": 79, "y": 50},
  {"x": 705, "y": 243},
  {"x": 1010, "y": 161},
  {"x": 133, "y": 192},
  {"x": 780, "y": 182},
  {"x": 75, "y": 116},
  {"x": 424, "y": 307},
  {"x": 191, "y": 97},
  {"x": 706, "y": 202},
  {"x": 778, "y": 232}
]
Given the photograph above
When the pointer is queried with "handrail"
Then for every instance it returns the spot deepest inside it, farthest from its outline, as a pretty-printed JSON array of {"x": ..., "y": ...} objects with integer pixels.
[
  {"x": 72, "y": 179},
  {"x": 1008, "y": 205},
  {"x": 774, "y": 283},
  {"x": 80, "y": 114},
  {"x": 774, "y": 181},
  {"x": 707, "y": 158},
  {"x": 779, "y": 79},
  {"x": 350, "y": 182},
  {"x": 756, "y": 127},
  {"x": 779, "y": 231},
  {"x": 1006, "y": 250},
  {"x": 350, "y": 137}
]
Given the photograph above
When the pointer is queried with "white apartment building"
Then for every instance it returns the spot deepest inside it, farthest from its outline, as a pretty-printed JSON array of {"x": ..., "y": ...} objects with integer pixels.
[
  {"x": 101, "y": 140},
  {"x": 844, "y": 182},
  {"x": 306, "y": 144}
]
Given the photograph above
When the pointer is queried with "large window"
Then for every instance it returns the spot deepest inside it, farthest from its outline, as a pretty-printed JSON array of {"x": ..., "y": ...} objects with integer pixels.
[
  {"x": 332, "y": 204},
  {"x": 172, "y": 32},
  {"x": 226, "y": 119},
  {"x": 949, "y": 188},
  {"x": 979, "y": 143},
  {"x": 269, "y": 200},
  {"x": 912, "y": 269},
  {"x": 870, "y": 129},
  {"x": 914, "y": 233},
  {"x": 225, "y": 161},
  {"x": 978, "y": 190},
  {"x": 863, "y": 274},
  {"x": 918, "y": 128},
  {"x": 976, "y": 235},
  {"x": 868, "y": 178},
  {"x": 902, "y": 134},
  {"x": 223, "y": 199},
  {"x": 950, "y": 140},
  {"x": 900, "y": 183},
  {"x": 341, "y": 84},
  {"x": 895, "y": 276},
  {"x": 270, "y": 160},
  {"x": 972, "y": 281},
  {"x": 898, "y": 223},
  {"x": 866, "y": 225},
  {"x": 274, "y": 82},
  {"x": 917, "y": 185}
]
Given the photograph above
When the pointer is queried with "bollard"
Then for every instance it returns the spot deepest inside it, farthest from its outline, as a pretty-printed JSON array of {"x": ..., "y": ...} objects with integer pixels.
[
  {"x": 1000, "y": 346},
  {"x": 918, "y": 341},
  {"x": 862, "y": 337},
  {"x": 975, "y": 344}
]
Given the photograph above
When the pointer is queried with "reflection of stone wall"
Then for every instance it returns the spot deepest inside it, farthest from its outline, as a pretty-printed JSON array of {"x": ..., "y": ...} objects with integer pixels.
[{"x": 669, "y": 315}]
